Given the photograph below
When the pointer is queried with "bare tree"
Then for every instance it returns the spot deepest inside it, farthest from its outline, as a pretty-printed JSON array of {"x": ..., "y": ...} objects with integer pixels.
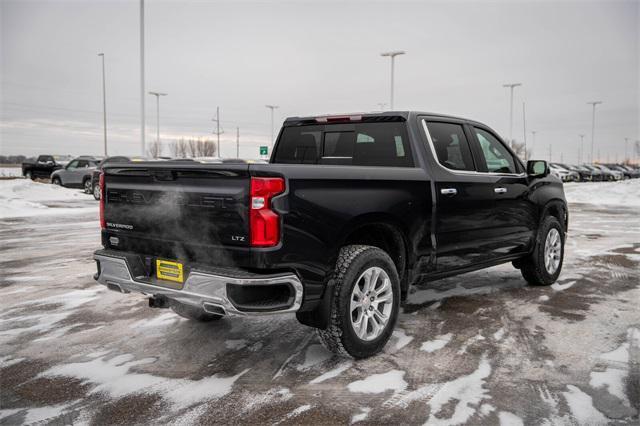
[
  {"x": 154, "y": 150},
  {"x": 192, "y": 148}
]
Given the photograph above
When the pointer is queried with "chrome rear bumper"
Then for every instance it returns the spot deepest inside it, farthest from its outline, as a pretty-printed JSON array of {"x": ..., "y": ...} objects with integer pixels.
[{"x": 203, "y": 289}]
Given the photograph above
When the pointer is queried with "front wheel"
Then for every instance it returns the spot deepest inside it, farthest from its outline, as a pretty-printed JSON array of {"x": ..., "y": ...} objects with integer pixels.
[
  {"x": 87, "y": 186},
  {"x": 365, "y": 303},
  {"x": 28, "y": 175},
  {"x": 543, "y": 265},
  {"x": 56, "y": 181}
]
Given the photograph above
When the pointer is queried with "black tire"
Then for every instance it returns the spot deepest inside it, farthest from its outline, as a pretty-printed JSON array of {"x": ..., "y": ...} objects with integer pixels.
[
  {"x": 339, "y": 337},
  {"x": 96, "y": 192},
  {"x": 533, "y": 266},
  {"x": 86, "y": 185},
  {"x": 193, "y": 313},
  {"x": 56, "y": 181}
]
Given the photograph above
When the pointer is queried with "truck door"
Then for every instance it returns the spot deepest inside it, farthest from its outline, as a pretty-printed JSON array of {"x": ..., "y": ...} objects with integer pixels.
[
  {"x": 464, "y": 198},
  {"x": 515, "y": 216}
]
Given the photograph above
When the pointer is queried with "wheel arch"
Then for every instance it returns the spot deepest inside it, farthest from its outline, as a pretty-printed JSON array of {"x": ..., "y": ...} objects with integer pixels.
[{"x": 382, "y": 231}]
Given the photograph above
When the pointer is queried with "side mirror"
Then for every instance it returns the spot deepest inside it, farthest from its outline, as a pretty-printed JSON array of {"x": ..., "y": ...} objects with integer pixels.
[{"x": 537, "y": 168}]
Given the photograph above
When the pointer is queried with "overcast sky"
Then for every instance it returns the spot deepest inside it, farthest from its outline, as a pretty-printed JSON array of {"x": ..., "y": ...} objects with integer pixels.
[{"x": 313, "y": 58}]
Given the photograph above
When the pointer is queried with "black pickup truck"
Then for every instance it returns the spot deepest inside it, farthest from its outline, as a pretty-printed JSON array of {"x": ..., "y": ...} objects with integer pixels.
[
  {"x": 349, "y": 212},
  {"x": 42, "y": 167}
]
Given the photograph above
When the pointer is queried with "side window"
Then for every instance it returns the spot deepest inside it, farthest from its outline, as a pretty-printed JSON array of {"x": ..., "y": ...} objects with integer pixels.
[
  {"x": 496, "y": 156},
  {"x": 72, "y": 165},
  {"x": 83, "y": 164},
  {"x": 382, "y": 144},
  {"x": 451, "y": 146}
]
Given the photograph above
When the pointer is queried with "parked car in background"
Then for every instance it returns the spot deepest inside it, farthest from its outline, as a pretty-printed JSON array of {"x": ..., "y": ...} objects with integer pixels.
[
  {"x": 610, "y": 174},
  {"x": 76, "y": 174},
  {"x": 43, "y": 166},
  {"x": 584, "y": 174},
  {"x": 598, "y": 175},
  {"x": 628, "y": 173},
  {"x": 635, "y": 171},
  {"x": 94, "y": 182},
  {"x": 562, "y": 173}
]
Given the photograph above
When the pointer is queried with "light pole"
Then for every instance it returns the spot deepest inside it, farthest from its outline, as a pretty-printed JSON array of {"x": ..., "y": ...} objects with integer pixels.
[
  {"x": 272, "y": 107},
  {"x": 581, "y": 149},
  {"x": 392, "y": 55},
  {"x": 157, "y": 95},
  {"x": 218, "y": 132},
  {"x": 533, "y": 141},
  {"x": 142, "y": 97},
  {"x": 626, "y": 157},
  {"x": 104, "y": 104},
  {"x": 593, "y": 124},
  {"x": 511, "y": 86}
]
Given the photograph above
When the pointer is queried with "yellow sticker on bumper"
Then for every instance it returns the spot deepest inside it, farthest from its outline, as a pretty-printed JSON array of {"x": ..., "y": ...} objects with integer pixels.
[{"x": 170, "y": 271}]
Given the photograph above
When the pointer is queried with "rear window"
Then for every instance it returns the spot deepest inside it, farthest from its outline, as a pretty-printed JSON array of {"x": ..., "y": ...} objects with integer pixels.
[{"x": 361, "y": 144}]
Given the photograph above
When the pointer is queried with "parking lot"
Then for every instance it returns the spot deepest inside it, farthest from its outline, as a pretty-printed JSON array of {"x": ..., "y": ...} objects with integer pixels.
[{"x": 481, "y": 348}]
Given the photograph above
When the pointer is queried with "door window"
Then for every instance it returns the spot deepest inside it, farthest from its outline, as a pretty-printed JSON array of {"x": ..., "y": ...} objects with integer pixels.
[
  {"x": 451, "y": 146},
  {"x": 497, "y": 157},
  {"x": 72, "y": 165},
  {"x": 83, "y": 164}
]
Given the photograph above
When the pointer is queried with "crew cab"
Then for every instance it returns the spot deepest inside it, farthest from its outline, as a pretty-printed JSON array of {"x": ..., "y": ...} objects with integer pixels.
[
  {"x": 348, "y": 213},
  {"x": 43, "y": 166}
]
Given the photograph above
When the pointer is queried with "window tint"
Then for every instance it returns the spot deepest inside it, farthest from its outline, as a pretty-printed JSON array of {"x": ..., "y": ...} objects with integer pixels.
[
  {"x": 496, "y": 156},
  {"x": 83, "y": 164},
  {"x": 361, "y": 144},
  {"x": 73, "y": 164},
  {"x": 451, "y": 145},
  {"x": 299, "y": 145}
]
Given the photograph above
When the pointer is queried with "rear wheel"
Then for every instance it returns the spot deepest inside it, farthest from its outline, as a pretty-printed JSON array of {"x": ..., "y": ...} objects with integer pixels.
[
  {"x": 192, "y": 312},
  {"x": 87, "y": 186},
  {"x": 96, "y": 192},
  {"x": 28, "y": 175},
  {"x": 365, "y": 303},
  {"x": 543, "y": 266}
]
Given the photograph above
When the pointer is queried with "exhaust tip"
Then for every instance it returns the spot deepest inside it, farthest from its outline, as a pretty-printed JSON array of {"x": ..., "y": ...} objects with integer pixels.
[
  {"x": 213, "y": 309},
  {"x": 116, "y": 287}
]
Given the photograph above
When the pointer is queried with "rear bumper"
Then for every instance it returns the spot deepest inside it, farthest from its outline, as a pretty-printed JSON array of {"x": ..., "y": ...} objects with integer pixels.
[{"x": 218, "y": 292}]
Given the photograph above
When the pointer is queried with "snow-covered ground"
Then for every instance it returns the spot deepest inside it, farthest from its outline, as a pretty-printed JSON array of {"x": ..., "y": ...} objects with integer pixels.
[
  {"x": 23, "y": 197},
  {"x": 621, "y": 193},
  {"x": 482, "y": 349},
  {"x": 10, "y": 171}
]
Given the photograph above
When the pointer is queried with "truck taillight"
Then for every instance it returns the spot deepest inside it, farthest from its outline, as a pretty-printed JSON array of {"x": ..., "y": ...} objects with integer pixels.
[
  {"x": 103, "y": 223},
  {"x": 264, "y": 222}
]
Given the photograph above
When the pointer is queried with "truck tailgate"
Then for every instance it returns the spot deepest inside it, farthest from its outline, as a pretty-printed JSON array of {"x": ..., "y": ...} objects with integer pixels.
[{"x": 185, "y": 209}]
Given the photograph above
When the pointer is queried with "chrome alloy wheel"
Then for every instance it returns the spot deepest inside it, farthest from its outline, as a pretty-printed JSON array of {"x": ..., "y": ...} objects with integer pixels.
[
  {"x": 371, "y": 303},
  {"x": 552, "y": 251}
]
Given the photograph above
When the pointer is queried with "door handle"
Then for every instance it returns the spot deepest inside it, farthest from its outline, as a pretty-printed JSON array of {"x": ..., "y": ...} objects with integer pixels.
[
  {"x": 499, "y": 190},
  {"x": 448, "y": 191}
]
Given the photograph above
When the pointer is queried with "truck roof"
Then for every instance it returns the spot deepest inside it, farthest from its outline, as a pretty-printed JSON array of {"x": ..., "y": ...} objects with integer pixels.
[{"x": 366, "y": 116}]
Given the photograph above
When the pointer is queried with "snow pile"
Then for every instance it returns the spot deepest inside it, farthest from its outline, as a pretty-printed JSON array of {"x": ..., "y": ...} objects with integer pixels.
[
  {"x": 10, "y": 171},
  {"x": 22, "y": 197},
  {"x": 622, "y": 193}
]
